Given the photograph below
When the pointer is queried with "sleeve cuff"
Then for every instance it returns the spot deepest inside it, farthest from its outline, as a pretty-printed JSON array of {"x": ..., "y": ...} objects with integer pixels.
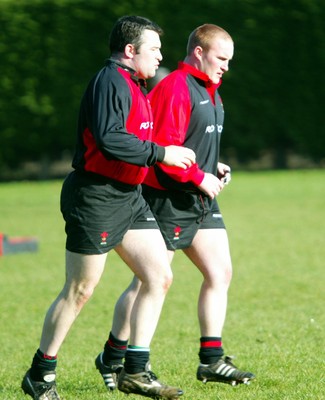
[
  {"x": 160, "y": 154},
  {"x": 198, "y": 177}
]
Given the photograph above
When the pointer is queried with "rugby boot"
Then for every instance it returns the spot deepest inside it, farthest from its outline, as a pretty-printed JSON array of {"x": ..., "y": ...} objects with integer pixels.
[
  {"x": 43, "y": 390},
  {"x": 109, "y": 373},
  {"x": 146, "y": 384},
  {"x": 223, "y": 371}
]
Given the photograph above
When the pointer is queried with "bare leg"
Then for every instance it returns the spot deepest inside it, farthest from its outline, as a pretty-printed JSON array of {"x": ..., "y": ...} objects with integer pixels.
[
  {"x": 83, "y": 273},
  {"x": 122, "y": 312},
  {"x": 144, "y": 251},
  {"x": 210, "y": 253}
]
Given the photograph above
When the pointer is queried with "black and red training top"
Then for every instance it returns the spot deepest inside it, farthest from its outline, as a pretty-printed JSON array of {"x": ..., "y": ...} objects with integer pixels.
[
  {"x": 188, "y": 111},
  {"x": 115, "y": 127}
]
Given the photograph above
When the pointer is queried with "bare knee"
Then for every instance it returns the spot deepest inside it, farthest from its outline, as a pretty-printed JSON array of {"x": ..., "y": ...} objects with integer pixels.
[
  {"x": 220, "y": 276},
  {"x": 168, "y": 280},
  {"x": 227, "y": 272},
  {"x": 160, "y": 282},
  {"x": 80, "y": 294}
]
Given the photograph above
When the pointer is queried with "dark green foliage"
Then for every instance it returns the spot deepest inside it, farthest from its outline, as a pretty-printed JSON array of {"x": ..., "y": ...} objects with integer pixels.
[{"x": 272, "y": 94}]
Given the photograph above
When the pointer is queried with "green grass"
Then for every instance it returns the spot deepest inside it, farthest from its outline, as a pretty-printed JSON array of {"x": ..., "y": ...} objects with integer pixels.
[{"x": 275, "y": 322}]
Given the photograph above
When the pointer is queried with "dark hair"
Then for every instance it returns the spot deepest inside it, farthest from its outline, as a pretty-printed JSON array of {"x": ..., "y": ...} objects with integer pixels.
[{"x": 128, "y": 30}]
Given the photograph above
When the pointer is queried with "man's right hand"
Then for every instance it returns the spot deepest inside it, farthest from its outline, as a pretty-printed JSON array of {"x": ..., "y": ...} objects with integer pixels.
[
  {"x": 211, "y": 185},
  {"x": 178, "y": 156}
]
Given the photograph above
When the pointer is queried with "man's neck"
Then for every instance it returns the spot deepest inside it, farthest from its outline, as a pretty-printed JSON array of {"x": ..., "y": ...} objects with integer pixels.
[{"x": 123, "y": 63}]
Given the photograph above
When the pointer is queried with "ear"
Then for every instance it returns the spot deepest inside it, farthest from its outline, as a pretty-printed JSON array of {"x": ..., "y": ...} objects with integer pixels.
[
  {"x": 198, "y": 52},
  {"x": 129, "y": 50}
]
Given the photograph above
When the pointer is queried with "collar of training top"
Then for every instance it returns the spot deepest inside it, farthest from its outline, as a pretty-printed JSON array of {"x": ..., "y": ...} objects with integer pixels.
[
  {"x": 198, "y": 74},
  {"x": 141, "y": 83}
]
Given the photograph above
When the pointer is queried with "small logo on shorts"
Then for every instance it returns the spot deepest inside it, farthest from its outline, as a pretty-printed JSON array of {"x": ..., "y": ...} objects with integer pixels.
[
  {"x": 177, "y": 232},
  {"x": 103, "y": 236},
  {"x": 216, "y": 216}
]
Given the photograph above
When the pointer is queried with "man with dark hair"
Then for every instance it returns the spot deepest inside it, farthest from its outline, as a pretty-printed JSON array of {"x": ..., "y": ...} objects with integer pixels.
[
  {"x": 103, "y": 209},
  {"x": 188, "y": 111}
]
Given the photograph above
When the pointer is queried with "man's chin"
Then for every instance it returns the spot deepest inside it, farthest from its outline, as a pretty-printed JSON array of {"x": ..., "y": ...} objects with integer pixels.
[{"x": 151, "y": 75}]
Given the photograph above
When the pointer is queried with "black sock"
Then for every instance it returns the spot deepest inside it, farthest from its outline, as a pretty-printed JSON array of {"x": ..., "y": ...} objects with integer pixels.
[
  {"x": 41, "y": 365},
  {"x": 211, "y": 349},
  {"x": 136, "y": 359},
  {"x": 114, "y": 350}
]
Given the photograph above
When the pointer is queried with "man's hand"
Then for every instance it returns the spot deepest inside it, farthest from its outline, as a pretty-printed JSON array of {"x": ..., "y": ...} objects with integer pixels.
[
  {"x": 224, "y": 173},
  {"x": 179, "y": 156},
  {"x": 211, "y": 185}
]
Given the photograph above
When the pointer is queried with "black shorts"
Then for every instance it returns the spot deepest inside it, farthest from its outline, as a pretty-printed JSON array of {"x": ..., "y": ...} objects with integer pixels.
[
  {"x": 181, "y": 214},
  {"x": 98, "y": 213}
]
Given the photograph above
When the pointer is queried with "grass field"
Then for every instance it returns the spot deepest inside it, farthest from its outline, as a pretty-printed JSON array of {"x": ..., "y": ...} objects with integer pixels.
[{"x": 275, "y": 323}]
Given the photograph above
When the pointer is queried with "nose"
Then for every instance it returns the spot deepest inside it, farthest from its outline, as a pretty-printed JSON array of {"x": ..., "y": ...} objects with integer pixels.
[
  {"x": 159, "y": 56},
  {"x": 225, "y": 66}
]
